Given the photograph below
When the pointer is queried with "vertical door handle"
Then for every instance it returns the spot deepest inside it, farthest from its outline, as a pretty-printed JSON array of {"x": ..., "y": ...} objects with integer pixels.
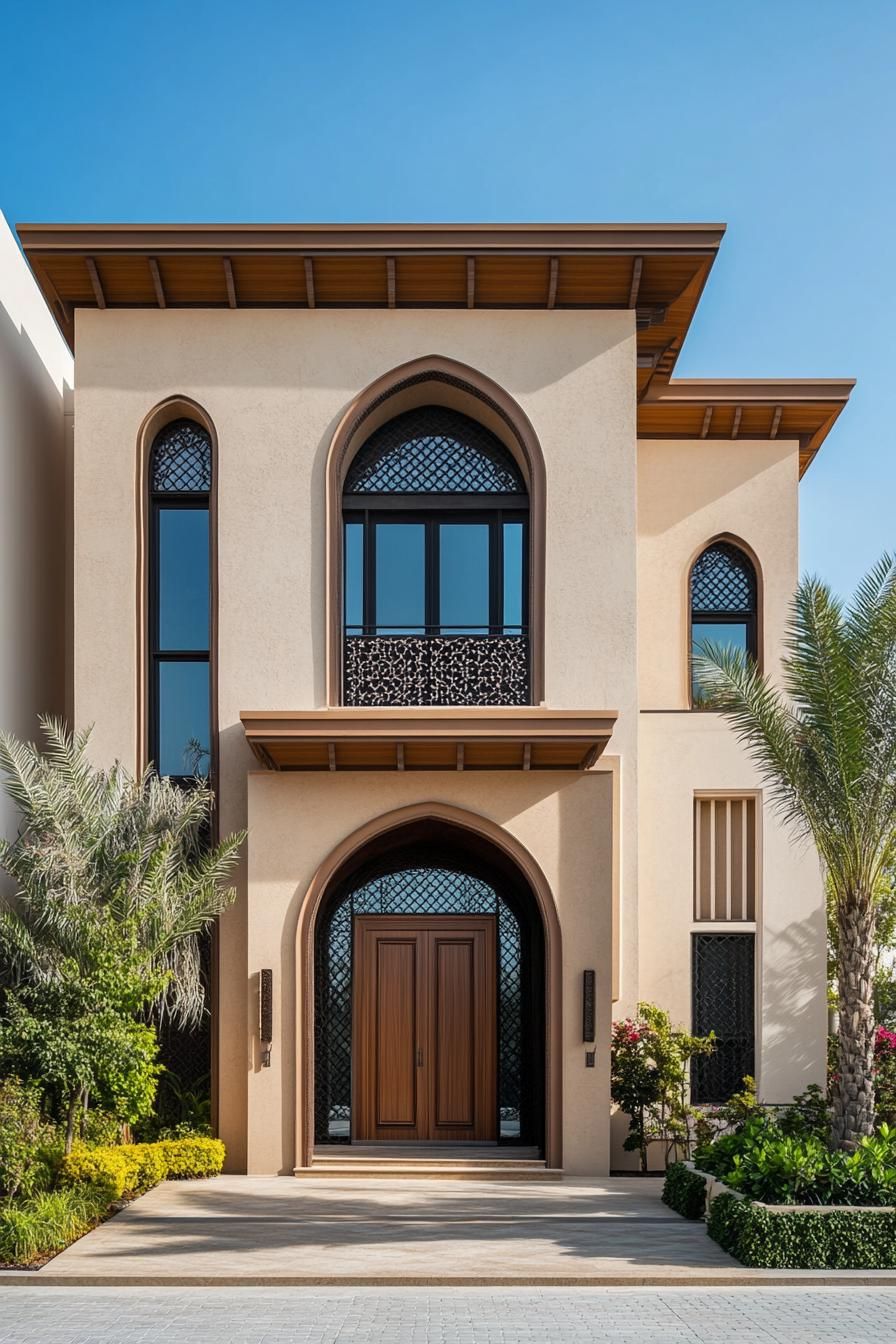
[{"x": 419, "y": 1057}]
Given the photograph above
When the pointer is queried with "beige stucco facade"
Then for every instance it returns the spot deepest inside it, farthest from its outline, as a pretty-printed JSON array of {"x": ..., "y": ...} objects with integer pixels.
[
  {"x": 36, "y": 376},
  {"x": 624, "y": 521}
]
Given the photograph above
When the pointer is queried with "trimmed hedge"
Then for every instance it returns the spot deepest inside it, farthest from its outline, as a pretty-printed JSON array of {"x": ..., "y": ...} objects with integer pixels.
[
  {"x": 47, "y": 1223},
  {"x": 191, "y": 1159},
  {"x": 133, "y": 1168},
  {"x": 685, "y": 1191},
  {"x": 835, "y": 1239}
]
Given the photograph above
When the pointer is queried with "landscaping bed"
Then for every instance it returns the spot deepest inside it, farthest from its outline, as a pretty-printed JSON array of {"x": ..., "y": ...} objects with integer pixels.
[{"x": 88, "y": 1186}]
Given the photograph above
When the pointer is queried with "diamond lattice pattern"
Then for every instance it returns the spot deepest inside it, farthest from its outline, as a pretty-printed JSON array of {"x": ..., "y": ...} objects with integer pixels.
[
  {"x": 723, "y": 580},
  {"x": 723, "y": 971},
  {"x": 433, "y": 450},
  {"x": 182, "y": 459}
]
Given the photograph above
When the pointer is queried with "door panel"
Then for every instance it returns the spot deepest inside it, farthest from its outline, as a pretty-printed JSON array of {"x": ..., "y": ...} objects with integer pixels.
[
  {"x": 425, "y": 1028},
  {"x": 455, "y": 1041},
  {"x": 396, "y": 1032}
]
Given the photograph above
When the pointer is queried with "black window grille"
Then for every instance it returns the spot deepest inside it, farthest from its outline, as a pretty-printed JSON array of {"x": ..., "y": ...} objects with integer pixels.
[
  {"x": 433, "y": 450},
  {"x": 182, "y": 460},
  {"x": 723, "y": 983},
  {"x": 180, "y": 558},
  {"x": 423, "y": 889}
]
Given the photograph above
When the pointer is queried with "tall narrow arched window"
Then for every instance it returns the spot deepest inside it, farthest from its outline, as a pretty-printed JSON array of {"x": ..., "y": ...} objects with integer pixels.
[
  {"x": 723, "y": 605},
  {"x": 180, "y": 479},
  {"x": 435, "y": 517}
]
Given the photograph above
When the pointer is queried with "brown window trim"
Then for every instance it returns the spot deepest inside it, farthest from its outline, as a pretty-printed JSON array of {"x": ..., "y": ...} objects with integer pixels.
[{"x": 753, "y": 558}]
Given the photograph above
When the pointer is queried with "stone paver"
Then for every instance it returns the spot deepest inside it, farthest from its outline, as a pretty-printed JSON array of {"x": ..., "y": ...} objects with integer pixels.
[
  {"x": 447, "y": 1316},
  {"x": 402, "y": 1230}
]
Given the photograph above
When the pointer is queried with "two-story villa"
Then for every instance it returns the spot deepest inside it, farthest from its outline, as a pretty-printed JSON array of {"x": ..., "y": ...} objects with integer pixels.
[{"x": 405, "y": 534}]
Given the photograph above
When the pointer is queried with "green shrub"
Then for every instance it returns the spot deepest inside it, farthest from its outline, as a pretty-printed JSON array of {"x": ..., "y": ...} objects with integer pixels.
[
  {"x": 49, "y": 1222},
  {"x": 685, "y": 1191},
  {"x": 839, "y": 1239},
  {"x": 27, "y": 1141},
  {"x": 100, "y": 1129},
  {"x": 190, "y": 1158},
  {"x": 764, "y": 1162}
]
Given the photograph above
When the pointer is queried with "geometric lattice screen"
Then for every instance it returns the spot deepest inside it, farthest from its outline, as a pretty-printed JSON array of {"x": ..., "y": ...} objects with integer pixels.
[
  {"x": 418, "y": 890},
  {"x": 723, "y": 580},
  {"x": 723, "y": 981},
  {"x": 181, "y": 460},
  {"x": 725, "y": 858},
  {"x": 433, "y": 450}
]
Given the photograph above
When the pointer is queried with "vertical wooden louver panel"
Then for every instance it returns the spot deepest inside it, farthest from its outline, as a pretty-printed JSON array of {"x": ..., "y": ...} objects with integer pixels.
[{"x": 724, "y": 859}]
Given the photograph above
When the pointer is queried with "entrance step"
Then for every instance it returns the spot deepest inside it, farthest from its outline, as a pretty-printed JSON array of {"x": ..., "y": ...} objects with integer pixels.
[
  {"x": 395, "y": 1170},
  {"x": 428, "y": 1162}
]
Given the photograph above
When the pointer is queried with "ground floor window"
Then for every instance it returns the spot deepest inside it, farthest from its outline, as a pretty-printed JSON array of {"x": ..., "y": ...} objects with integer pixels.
[{"x": 723, "y": 986}]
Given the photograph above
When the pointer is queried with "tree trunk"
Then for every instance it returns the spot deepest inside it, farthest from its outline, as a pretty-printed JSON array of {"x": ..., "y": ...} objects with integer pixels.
[
  {"x": 74, "y": 1102},
  {"x": 853, "y": 1117}
]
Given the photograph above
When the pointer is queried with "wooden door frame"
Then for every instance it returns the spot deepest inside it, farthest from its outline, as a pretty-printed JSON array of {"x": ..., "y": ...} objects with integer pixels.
[{"x": 315, "y": 897}]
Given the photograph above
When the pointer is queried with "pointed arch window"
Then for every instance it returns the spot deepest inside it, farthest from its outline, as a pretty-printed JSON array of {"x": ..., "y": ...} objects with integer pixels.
[
  {"x": 180, "y": 481},
  {"x": 723, "y": 605},
  {"x": 435, "y": 518}
]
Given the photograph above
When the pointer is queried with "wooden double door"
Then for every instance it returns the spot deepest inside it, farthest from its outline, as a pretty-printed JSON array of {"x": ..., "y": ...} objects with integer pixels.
[{"x": 425, "y": 1028}]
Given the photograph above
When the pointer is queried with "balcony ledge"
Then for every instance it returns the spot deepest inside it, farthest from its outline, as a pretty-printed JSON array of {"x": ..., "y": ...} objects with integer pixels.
[{"x": 428, "y": 738}]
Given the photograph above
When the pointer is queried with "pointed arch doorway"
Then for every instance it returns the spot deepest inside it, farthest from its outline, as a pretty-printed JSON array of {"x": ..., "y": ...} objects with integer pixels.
[{"x": 431, "y": 1009}]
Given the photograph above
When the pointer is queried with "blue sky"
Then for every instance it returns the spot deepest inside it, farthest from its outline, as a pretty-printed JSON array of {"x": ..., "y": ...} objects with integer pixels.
[{"x": 775, "y": 116}]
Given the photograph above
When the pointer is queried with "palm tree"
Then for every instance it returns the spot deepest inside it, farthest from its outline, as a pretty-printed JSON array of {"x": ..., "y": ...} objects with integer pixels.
[
  {"x": 825, "y": 745},
  {"x": 103, "y": 850}
]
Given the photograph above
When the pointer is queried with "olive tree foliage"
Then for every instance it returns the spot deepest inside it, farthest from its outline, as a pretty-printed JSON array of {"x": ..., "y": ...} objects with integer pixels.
[{"x": 108, "y": 861}]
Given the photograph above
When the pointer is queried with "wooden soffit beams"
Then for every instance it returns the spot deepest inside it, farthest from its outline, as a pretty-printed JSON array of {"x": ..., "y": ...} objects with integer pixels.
[
  {"x": 803, "y": 409},
  {"x": 428, "y": 739}
]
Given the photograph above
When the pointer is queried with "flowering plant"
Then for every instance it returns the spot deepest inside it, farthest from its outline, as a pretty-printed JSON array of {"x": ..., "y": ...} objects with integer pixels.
[{"x": 650, "y": 1067}]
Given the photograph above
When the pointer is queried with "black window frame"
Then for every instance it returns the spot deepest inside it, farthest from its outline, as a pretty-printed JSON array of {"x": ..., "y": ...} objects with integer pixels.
[
  {"x": 160, "y": 500},
  {"x": 431, "y": 511}
]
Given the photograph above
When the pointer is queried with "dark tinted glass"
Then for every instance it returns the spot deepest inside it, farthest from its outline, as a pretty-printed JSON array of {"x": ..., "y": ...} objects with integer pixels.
[
  {"x": 464, "y": 578},
  {"x": 183, "y": 579},
  {"x": 721, "y": 634},
  {"x": 400, "y": 565},
  {"x": 183, "y": 692},
  {"x": 513, "y": 578},
  {"x": 354, "y": 576}
]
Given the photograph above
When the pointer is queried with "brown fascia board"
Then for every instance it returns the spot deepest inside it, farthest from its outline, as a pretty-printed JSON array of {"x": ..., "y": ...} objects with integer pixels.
[
  {"x": 372, "y": 239},
  {"x": 748, "y": 391}
]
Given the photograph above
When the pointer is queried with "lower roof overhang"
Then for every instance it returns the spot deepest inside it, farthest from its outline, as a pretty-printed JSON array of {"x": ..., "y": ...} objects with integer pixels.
[{"x": 524, "y": 738}]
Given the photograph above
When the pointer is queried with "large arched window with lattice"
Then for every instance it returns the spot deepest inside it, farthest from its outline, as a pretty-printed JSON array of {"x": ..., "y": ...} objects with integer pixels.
[
  {"x": 435, "y": 518},
  {"x": 724, "y": 600},
  {"x": 180, "y": 481}
]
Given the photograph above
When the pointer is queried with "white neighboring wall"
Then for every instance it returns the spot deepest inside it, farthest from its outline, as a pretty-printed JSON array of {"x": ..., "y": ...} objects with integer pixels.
[{"x": 36, "y": 373}]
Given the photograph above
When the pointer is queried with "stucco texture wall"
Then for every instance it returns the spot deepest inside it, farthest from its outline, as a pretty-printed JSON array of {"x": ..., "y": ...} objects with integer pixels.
[
  {"x": 563, "y": 821},
  {"x": 689, "y": 493},
  {"x": 35, "y": 371},
  {"x": 275, "y": 385}
]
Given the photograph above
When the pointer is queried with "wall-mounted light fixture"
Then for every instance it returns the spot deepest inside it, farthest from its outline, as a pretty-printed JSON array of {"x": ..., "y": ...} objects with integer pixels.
[
  {"x": 589, "y": 1030},
  {"x": 266, "y": 1015}
]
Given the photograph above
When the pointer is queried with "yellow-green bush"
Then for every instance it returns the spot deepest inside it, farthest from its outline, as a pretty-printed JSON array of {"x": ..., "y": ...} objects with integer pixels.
[
  {"x": 132, "y": 1168},
  {"x": 189, "y": 1159},
  {"x": 106, "y": 1167}
]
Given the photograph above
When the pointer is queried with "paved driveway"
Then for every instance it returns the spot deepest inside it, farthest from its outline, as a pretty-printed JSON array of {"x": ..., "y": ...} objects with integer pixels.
[
  {"x": 375, "y": 1231},
  {"x": 447, "y": 1316}
]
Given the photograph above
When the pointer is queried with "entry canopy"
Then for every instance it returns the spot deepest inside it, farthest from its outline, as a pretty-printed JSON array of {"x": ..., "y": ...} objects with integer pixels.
[{"x": 428, "y": 738}]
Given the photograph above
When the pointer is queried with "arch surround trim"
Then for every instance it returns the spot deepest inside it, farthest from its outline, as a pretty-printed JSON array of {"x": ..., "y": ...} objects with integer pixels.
[
  {"x": 317, "y": 893},
  {"x": 434, "y": 379}
]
